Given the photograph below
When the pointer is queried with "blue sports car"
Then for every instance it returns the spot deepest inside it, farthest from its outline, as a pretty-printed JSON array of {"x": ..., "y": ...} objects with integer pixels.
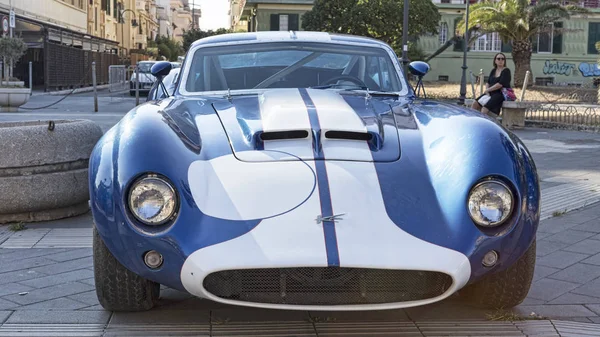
[{"x": 299, "y": 170}]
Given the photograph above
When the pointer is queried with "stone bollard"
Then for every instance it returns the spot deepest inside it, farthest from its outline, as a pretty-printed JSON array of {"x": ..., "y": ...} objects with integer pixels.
[{"x": 44, "y": 169}]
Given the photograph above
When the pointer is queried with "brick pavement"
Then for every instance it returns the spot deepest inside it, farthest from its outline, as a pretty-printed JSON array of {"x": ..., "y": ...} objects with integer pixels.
[{"x": 52, "y": 283}]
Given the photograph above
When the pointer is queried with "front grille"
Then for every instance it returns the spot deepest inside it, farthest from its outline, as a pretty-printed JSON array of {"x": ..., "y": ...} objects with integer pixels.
[{"x": 326, "y": 285}]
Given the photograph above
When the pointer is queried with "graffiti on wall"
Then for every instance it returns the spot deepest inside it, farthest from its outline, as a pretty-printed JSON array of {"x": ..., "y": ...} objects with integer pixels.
[
  {"x": 587, "y": 69},
  {"x": 558, "y": 68}
]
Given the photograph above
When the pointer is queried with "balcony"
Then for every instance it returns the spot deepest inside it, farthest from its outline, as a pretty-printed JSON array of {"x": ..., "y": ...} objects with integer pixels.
[
  {"x": 141, "y": 38},
  {"x": 140, "y": 5}
]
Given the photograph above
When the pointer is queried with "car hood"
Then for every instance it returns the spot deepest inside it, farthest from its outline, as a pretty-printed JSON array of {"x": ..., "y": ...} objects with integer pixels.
[{"x": 309, "y": 124}]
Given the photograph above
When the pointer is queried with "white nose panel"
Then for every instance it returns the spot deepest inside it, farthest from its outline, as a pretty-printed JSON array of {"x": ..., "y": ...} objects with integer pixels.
[{"x": 227, "y": 188}]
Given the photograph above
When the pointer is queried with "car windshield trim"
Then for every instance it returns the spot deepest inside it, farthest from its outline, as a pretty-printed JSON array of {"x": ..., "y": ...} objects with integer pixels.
[{"x": 395, "y": 68}]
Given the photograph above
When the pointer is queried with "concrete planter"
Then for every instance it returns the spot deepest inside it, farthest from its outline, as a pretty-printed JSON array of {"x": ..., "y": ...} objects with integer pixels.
[
  {"x": 12, "y": 98},
  {"x": 44, "y": 169}
]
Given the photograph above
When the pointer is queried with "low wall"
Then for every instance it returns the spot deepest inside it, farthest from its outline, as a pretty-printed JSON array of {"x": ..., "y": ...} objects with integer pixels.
[{"x": 44, "y": 169}]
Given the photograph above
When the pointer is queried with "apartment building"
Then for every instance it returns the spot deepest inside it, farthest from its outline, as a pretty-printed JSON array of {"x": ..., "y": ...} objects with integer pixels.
[
  {"x": 261, "y": 15},
  {"x": 557, "y": 59},
  {"x": 59, "y": 46},
  {"x": 182, "y": 18}
]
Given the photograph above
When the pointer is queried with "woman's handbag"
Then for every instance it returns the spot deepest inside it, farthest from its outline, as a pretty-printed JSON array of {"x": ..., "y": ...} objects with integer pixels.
[
  {"x": 509, "y": 94},
  {"x": 483, "y": 100}
]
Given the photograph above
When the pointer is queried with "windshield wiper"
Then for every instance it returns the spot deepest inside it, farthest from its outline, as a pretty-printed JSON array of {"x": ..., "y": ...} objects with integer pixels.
[
  {"x": 336, "y": 85},
  {"x": 356, "y": 88}
]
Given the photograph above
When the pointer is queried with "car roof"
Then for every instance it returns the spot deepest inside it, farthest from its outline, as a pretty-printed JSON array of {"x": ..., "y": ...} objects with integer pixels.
[{"x": 303, "y": 36}]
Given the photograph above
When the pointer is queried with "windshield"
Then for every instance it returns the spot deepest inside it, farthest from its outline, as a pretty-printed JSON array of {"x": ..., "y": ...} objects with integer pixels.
[
  {"x": 291, "y": 65},
  {"x": 145, "y": 67}
]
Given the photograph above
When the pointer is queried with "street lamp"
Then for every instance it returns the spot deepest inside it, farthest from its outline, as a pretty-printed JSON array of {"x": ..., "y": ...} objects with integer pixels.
[
  {"x": 463, "y": 79},
  {"x": 122, "y": 21}
]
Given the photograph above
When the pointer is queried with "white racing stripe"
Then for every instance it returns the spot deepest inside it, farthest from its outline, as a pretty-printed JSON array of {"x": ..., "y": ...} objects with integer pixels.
[
  {"x": 284, "y": 110},
  {"x": 337, "y": 115}
]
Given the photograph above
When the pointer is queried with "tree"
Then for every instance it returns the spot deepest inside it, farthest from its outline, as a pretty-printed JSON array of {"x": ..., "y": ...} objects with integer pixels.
[
  {"x": 168, "y": 48},
  {"x": 191, "y": 36},
  {"x": 11, "y": 50},
  {"x": 517, "y": 22},
  {"x": 379, "y": 19}
]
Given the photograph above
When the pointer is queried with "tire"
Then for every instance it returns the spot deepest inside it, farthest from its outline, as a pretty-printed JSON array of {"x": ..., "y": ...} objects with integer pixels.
[
  {"x": 117, "y": 288},
  {"x": 505, "y": 289}
]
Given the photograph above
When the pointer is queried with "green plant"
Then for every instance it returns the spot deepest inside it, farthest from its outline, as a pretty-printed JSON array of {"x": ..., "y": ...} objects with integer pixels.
[
  {"x": 15, "y": 227},
  {"x": 11, "y": 50},
  {"x": 379, "y": 19}
]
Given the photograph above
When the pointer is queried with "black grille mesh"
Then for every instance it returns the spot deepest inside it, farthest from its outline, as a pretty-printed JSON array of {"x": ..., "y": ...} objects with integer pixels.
[{"x": 326, "y": 285}]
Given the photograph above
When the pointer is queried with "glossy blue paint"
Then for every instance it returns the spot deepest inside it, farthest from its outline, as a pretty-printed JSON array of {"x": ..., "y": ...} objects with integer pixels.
[
  {"x": 431, "y": 154},
  {"x": 161, "y": 69},
  {"x": 426, "y": 192},
  {"x": 418, "y": 68}
]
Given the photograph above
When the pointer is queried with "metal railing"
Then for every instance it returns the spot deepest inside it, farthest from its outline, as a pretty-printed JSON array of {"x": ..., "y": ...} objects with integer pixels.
[{"x": 117, "y": 78}]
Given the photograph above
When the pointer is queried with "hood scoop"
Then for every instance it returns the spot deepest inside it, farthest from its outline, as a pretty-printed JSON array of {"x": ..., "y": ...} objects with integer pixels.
[
  {"x": 288, "y": 124},
  {"x": 279, "y": 135}
]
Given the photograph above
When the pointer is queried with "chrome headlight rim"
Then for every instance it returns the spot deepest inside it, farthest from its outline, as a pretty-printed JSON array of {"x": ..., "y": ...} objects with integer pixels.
[
  {"x": 509, "y": 214},
  {"x": 164, "y": 180}
]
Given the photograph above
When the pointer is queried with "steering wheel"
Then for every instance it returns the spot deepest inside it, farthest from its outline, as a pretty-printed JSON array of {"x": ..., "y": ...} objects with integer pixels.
[{"x": 350, "y": 78}]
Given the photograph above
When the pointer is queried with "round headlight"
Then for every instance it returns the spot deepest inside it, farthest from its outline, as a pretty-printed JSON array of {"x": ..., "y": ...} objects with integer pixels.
[
  {"x": 490, "y": 203},
  {"x": 152, "y": 200}
]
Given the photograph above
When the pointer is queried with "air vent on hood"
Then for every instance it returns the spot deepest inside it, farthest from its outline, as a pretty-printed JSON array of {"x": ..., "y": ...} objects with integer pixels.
[
  {"x": 364, "y": 136},
  {"x": 279, "y": 135}
]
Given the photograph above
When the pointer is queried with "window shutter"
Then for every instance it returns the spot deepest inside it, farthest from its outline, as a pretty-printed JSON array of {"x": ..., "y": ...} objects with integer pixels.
[
  {"x": 557, "y": 40},
  {"x": 507, "y": 47},
  {"x": 274, "y": 22},
  {"x": 592, "y": 37},
  {"x": 294, "y": 23}
]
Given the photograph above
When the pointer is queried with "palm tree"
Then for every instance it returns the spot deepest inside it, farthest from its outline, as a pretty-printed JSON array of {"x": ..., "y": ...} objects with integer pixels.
[{"x": 517, "y": 22}]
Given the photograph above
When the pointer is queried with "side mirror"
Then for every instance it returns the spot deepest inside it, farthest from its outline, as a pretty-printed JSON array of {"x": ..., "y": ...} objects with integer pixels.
[
  {"x": 160, "y": 70},
  {"x": 419, "y": 69}
]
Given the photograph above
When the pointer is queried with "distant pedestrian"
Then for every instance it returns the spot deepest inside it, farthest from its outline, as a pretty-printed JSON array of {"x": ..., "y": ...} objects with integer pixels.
[{"x": 492, "y": 98}]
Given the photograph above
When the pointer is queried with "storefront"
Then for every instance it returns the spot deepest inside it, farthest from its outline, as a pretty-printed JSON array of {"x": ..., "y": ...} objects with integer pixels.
[{"x": 61, "y": 58}]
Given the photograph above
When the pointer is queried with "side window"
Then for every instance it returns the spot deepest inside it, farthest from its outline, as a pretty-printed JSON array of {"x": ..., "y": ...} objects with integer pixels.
[{"x": 378, "y": 71}]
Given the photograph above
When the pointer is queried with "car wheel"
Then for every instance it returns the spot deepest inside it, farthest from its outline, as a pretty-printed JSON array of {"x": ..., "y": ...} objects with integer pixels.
[
  {"x": 505, "y": 289},
  {"x": 117, "y": 288}
]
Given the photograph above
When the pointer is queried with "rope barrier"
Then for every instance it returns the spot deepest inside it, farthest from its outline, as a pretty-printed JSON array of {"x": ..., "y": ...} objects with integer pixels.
[{"x": 62, "y": 99}]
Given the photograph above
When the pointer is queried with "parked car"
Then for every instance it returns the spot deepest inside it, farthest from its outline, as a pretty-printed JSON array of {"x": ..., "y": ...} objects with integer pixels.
[
  {"x": 145, "y": 77},
  {"x": 299, "y": 170}
]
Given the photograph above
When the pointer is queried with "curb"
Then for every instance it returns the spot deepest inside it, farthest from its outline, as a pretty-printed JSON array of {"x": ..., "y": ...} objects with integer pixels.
[
  {"x": 67, "y": 91},
  {"x": 545, "y": 327}
]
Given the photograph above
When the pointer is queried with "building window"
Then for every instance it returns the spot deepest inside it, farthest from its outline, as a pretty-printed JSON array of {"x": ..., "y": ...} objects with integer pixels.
[
  {"x": 487, "y": 42},
  {"x": 443, "y": 33},
  {"x": 544, "y": 39},
  {"x": 593, "y": 37},
  {"x": 285, "y": 22}
]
